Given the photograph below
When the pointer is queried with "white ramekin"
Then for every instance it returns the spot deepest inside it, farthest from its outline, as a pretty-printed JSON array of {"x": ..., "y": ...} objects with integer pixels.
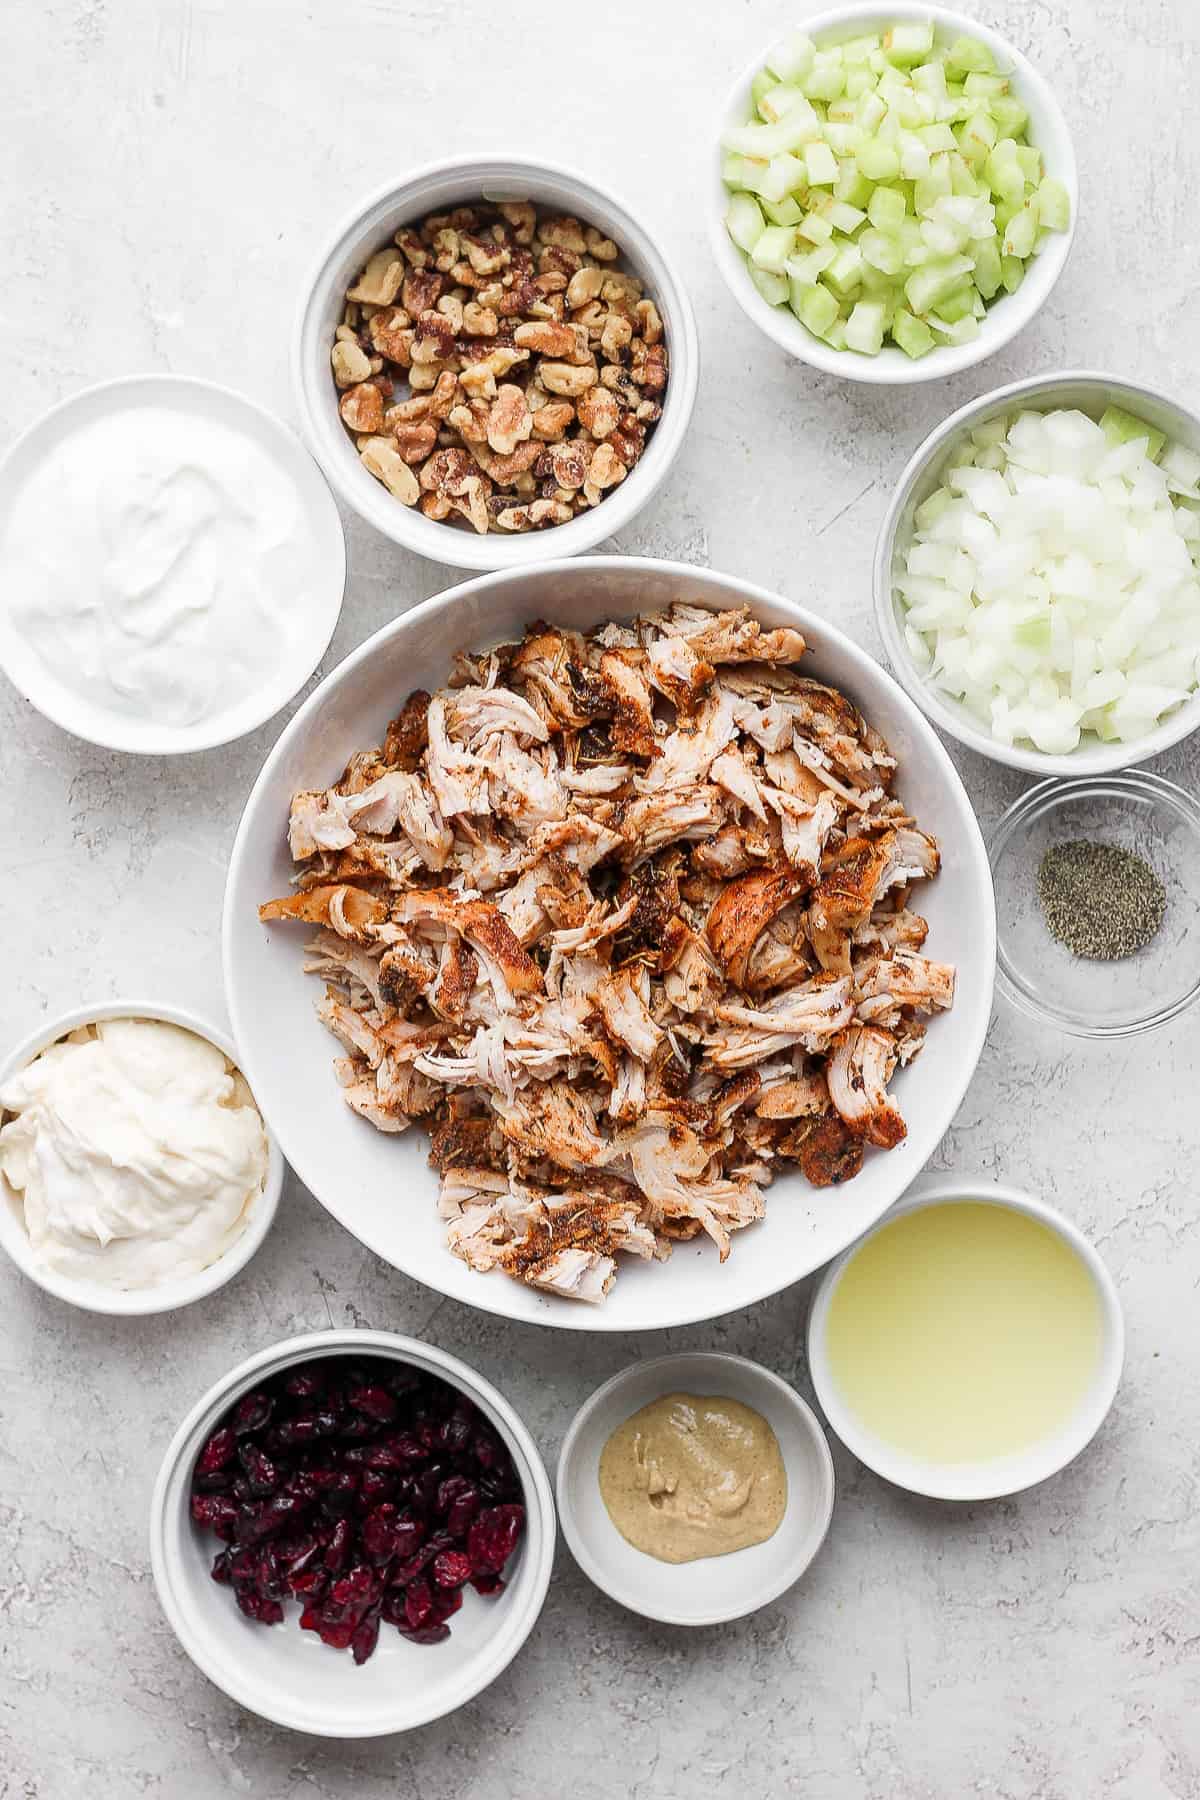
[
  {"x": 989, "y": 1480},
  {"x": 369, "y": 226},
  {"x": 1008, "y": 314},
  {"x": 187, "y": 397},
  {"x": 286, "y": 1675},
  {"x": 165, "y": 1296},
  {"x": 715, "y": 1589},
  {"x": 1091, "y": 392}
]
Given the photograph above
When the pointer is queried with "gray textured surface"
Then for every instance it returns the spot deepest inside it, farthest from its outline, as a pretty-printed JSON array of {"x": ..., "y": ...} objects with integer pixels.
[{"x": 170, "y": 167}]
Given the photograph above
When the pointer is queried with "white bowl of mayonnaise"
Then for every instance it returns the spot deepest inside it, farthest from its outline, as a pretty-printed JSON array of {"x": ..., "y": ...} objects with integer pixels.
[{"x": 136, "y": 1172}]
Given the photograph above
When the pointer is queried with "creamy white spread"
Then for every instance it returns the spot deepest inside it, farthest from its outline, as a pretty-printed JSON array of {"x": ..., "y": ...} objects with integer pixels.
[
  {"x": 136, "y": 1149},
  {"x": 158, "y": 564}
]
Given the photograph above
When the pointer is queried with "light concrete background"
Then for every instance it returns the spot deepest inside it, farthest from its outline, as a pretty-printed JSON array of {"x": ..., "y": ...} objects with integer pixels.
[{"x": 169, "y": 166}]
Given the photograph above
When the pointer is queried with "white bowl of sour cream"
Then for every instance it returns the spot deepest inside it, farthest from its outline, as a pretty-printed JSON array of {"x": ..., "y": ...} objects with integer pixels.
[
  {"x": 172, "y": 565},
  {"x": 136, "y": 1173}
]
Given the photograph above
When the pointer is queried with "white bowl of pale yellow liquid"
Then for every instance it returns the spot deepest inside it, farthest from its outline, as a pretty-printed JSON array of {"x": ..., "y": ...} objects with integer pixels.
[{"x": 970, "y": 1345}]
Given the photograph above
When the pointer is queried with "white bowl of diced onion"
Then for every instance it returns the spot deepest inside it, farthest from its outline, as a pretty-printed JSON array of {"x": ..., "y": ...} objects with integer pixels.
[
  {"x": 1097, "y": 667},
  {"x": 855, "y": 351}
]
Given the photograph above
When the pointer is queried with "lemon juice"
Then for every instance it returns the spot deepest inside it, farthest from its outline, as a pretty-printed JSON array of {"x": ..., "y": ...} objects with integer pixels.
[{"x": 964, "y": 1332}]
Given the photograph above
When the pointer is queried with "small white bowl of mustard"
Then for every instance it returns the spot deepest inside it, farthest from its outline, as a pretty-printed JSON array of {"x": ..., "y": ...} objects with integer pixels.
[{"x": 695, "y": 1488}]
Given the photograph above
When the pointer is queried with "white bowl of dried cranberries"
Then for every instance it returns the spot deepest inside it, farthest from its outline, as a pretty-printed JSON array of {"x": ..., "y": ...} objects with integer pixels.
[
  {"x": 495, "y": 362},
  {"x": 352, "y": 1533}
]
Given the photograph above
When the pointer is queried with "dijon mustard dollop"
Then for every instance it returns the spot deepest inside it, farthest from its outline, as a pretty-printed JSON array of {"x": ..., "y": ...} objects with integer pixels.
[{"x": 694, "y": 1475}]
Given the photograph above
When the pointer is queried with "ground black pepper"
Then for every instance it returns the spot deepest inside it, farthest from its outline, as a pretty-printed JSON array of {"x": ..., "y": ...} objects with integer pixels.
[{"x": 1100, "y": 901}]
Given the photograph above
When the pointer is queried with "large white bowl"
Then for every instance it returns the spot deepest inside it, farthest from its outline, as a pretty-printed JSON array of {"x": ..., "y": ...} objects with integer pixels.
[
  {"x": 1009, "y": 313},
  {"x": 1091, "y": 392},
  {"x": 370, "y": 225},
  {"x": 286, "y": 1674},
  {"x": 380, "y": 1187},
  {"x": 164, "y": 1296}
]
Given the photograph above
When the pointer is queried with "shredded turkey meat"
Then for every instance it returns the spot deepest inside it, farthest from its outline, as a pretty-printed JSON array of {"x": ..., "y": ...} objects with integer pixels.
[{"x": 625, "y": 921}]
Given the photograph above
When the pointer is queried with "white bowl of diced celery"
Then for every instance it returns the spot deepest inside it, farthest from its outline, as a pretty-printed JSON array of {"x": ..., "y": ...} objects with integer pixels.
[
  {"x": 895, "y": 194},
  {"x": 1037, "y": 574}
]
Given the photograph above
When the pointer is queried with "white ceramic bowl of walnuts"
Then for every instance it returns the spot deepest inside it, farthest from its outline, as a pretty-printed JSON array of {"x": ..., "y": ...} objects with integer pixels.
[{"x": 579, "y": 354}]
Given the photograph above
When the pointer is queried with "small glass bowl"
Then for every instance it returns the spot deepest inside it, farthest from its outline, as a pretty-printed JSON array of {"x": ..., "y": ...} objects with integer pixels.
[{"x": 1135, "y": 811}]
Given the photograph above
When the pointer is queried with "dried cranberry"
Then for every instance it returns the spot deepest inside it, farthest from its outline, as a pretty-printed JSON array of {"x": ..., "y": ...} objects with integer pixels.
[
  {"x": 486, "y": 1584},
  {"x": 376, "y": 1485},
  {"x": 426, "y": 1634},
  {"x": 304, "y": 1384},
  {"x": 418, "y": 1602},
  {"x": 268, "y": 1580},
  {"x": 220, "y": 1569},
  {"x": 379, "y": 1533},
  {"x": 263, "y": 1475},
  {"x": 216, "y": 1512},
  {"x": 376, "y": 1402},
  {"x": 487, "y": 1449},
  {"x": 338, "y": 1548},
  {"x": 399, "y": 1452},
  {"x": 252, "y": 1412},
  {"x": 265, "y": 1519},
  {"x": 451, "y": 1568},
  {"x": 407, "y": 1534},
  {"x": 366, "y": 1636},
  {"x": 339, "y": 1497},
  {"x": 267, "y": 1612},
  {"x": 412, "y": 1567},
  {"x": 311, "y": 1583},
  {"x": 446, "y": 1602},
  {"x": 217, "y": 1452},
  {"x": 493, "y": 1538}
]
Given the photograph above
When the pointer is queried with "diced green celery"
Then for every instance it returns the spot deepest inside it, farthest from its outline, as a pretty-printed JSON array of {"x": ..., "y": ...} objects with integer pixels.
[
  {"x": 815, "y": 228},
  {"x": 936, "y": 138},
  {"x": 835, "y": 337},
  {"x": 760, "y": 87},
  {"x": 914, "y": 157},
  {"x": 915, "y": 339},
  {"x": 907, "y": 45},
  {"x": 773, "y": 247},
  {"x": 792, "y": 57},
  {"x": 821, "y": 165},
  {"x": 779, "y": 100},
  {"x": 961, "y": 178},
  {"x": 826, "y": 79},
  {"x": 841, "y": 112},
  {"x": 733, "y": 170},
  {"x": 936, "y": 185},
  {"x": 1012, "y": 273},
  {"x": 881, "y": 251},
  {"x": 1121, "y": 427},
  {"x": 981, "y": 86},
  {"x": 1054, "y": 205},
  {"x": 977, "y": 136},
  {"x": 772, "y": 287},
  {"x": 843, "y": 140},
  {"x": 931, "y": 510},
  {"x": 1005, "y": 212},
  {"x": 886, "y": 209},
  {"x": 817, "y": 309},
  {"x": 804, "y": 271},
  {"x": 930, "y": 78},
  {"x": 744, "y": 221},
  {"x": 1021, "y": 233},
  {"x": 877, "y": 161},
  {"x": 939, "y": 277},
  {"x": 842, "y": 217},
  {"x": 859, "y": 50},
  {"x": 1009, "y": 115},
  {"x": 988, "y": 278},
  {"x": 1005, "y": 177},
  {"x": 858, "y": 82},
  {"x": 963, "y": 331},
  {"x": 1033, "y": 633},
  {"x": 968, "y": 56},
  {"x": 844, "y": 274},
  {"x": 784, "y": 174},
  {"x": 870, "y": 111},
  {"x": 864, "y": 328},
  {"x": 783, "y": 212},
  {"x": 798, "y": 126},
  {"x": 957, "y": 304},
  {"x": 852, "y": 186},
  {"x": 1030, "y": 159}
]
